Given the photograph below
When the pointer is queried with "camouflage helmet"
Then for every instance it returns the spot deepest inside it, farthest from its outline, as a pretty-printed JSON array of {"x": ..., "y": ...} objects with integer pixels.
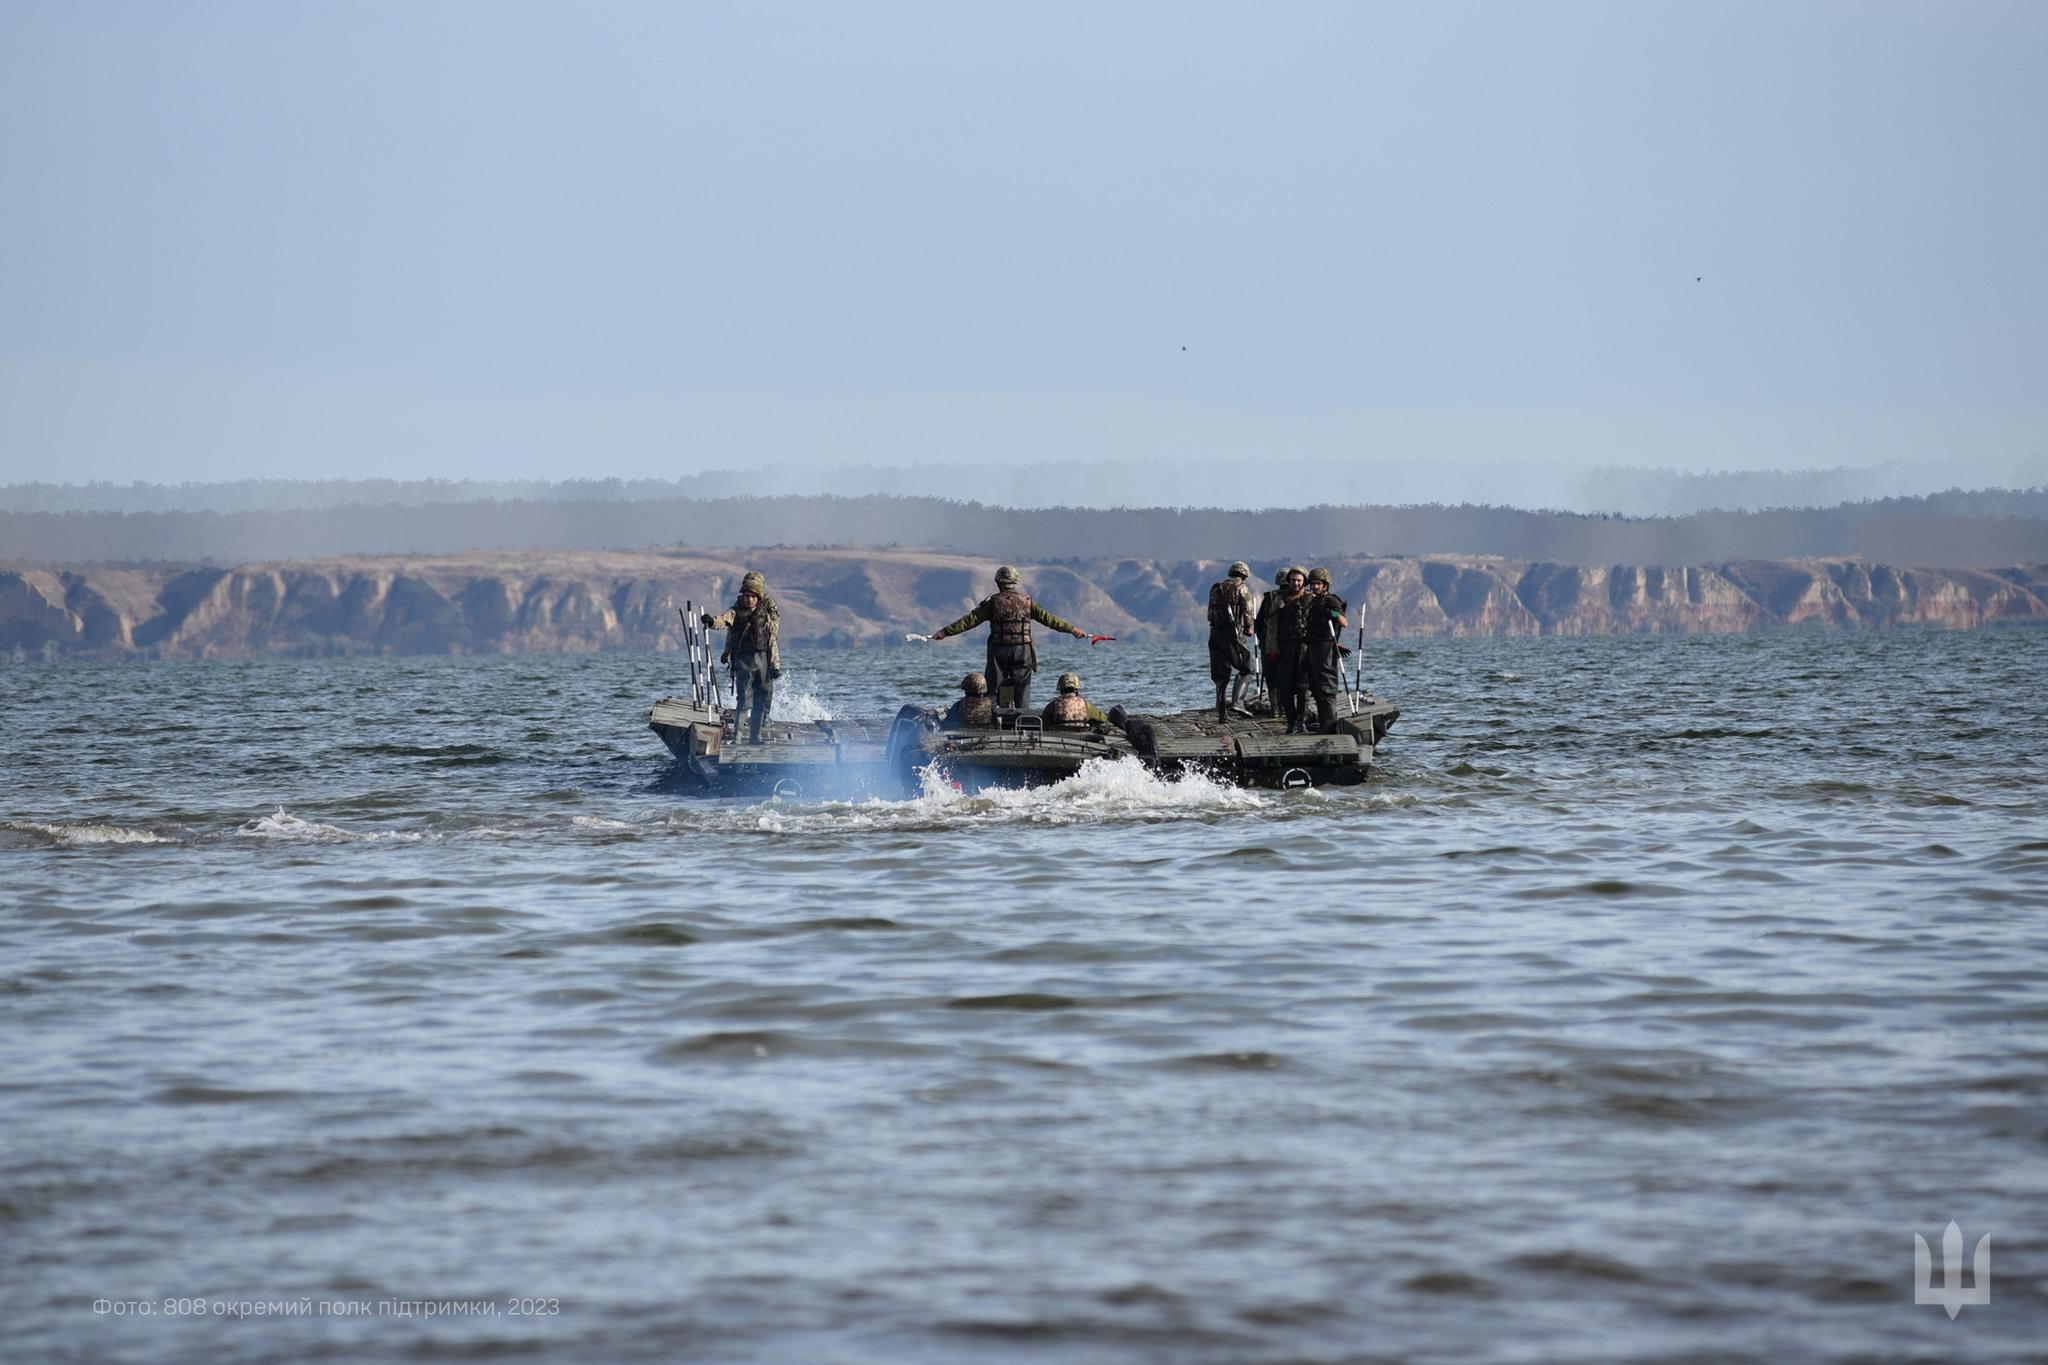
[
  {"x": 1070, "y": 682},
  {"x": 1007, "y": 577},
  {"x": 1319, "y": 574},
  {"x": 1240, "y": 569},
  {"x": 754, "y": 583},
  {"x": 1291, "y": 570},
  {"x": 974, "y": 685}
]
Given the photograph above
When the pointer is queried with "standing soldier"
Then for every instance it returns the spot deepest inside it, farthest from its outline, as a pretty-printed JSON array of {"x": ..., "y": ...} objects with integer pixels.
[
  {"x": 752, "y": 650},
  {"x": 1324, "y": 655},
  {"x": 1283, "y": 629},
  {"x": 975, "y": 707},
  {"x": 1230, "y": 620},
  {"x": 1012, "y": 658}
]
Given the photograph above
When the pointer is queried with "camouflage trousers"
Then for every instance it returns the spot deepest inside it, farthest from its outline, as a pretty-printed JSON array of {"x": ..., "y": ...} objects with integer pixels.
[
  {"x": 1228, "y": 653},
  {"x": 1014, "y": 665},
  {"x": 1288, "y": 678},
  {"x": 1324, "y": 674},
  {"x": 753, "y": 689}
]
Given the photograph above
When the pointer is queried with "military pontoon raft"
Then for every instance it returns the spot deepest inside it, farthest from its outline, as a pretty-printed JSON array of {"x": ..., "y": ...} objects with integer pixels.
[{"x": 838, "y": 758}]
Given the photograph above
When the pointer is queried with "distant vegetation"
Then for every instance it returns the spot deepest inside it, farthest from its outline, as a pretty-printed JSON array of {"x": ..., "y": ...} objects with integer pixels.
[{"x": 1955, "y": 528}]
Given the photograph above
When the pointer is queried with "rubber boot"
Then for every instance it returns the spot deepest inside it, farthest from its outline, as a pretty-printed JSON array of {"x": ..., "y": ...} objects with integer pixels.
[{"x": 1222, "y": 707}]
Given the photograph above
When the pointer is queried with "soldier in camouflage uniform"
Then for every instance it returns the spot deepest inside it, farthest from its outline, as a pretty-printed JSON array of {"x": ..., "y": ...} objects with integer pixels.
[
  {"x": 1070, "y": 710},
  {"x": 975, "y": 707},
  {"x": 1283, "y": 631},
  {"x": 752, "y": 649},
  {"x": 1323, "y": 650},
  {"x": 1012, "y": 658},
  {"x": 1230, "y": 623}
]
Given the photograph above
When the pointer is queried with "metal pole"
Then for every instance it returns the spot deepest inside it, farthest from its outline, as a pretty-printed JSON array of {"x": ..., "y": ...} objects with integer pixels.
[{"x": 690, "y": 648}]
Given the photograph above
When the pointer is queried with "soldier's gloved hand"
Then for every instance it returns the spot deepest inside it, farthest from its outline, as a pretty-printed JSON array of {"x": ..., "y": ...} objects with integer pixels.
[
  {"x": 938, "y": 634},
  {"x": 774, "y": 672},
  {"x": 704, "y": 620},
  {"x": 725, "y": 658}
]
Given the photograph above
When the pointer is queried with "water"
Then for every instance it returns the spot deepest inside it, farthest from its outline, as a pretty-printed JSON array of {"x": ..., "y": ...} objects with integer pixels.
[{"x": 1650, "y": 998}]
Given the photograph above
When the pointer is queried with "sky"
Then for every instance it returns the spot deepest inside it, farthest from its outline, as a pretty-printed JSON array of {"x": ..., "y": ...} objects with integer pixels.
[{"x": 498, "y": 239}]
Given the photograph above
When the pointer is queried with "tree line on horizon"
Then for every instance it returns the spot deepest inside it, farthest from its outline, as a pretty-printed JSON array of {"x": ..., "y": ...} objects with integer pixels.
[{"x": 1988, "y": 528}]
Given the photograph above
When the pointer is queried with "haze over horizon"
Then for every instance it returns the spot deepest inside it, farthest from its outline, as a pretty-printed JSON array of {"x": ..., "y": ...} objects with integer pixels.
[{"x": 650, "y": 241}]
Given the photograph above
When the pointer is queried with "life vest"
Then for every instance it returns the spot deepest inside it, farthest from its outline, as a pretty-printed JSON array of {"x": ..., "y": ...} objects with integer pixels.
[
  {"x": 1226, "y": 600},
  {"x": 1293, "y": 617},
  {"x": 1068, "y": 709},
  {"x": 1009, "y": 619},
  {"x": 750, "y": 631}
]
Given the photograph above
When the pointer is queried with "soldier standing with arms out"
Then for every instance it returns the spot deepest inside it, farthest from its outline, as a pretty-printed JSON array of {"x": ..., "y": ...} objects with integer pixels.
[
  {"x": 975, "y": 707},
  {"x": 752, "y": 649},
  {"x": 1230, "y": 621},
  {"x": 1012, "y": 658},
  {"x": 1324, "y": 652}
]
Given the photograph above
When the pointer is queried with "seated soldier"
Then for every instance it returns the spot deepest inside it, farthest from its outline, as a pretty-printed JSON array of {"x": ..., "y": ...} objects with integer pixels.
[
  {"x": 1070, "y": 710},
  {"x": 976, "y": 707}
]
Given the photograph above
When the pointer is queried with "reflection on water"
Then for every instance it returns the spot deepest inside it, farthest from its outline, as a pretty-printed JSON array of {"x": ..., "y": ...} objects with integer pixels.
[{"x": 1648, "y": 1000}]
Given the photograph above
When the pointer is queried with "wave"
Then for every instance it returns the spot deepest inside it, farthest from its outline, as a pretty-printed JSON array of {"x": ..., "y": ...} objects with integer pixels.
[
  {"x": 802, "y": 707},
  {"x": 281, "y": 824},
  {"x": 1103, "y": 790},
  {"x": 63, "y": 835}
]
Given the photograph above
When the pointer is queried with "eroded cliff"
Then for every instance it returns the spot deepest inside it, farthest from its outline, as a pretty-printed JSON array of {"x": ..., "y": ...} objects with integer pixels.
[{"x": 576, "y": 601}]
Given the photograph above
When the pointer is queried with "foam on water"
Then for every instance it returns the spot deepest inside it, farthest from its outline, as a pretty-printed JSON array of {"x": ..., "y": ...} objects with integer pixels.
[
  {"x": 803, "y": 707},
  {"x": 1104, "y": 789},
  {"x": 69, "y": 835},
  {"x": 281, "y": 824}
]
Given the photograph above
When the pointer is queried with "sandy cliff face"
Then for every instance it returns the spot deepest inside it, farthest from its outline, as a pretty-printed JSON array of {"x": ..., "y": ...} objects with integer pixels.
[{"x": 560, "y": 601}]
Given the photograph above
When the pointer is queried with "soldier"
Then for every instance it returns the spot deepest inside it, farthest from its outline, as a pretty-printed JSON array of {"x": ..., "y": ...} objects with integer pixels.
[
  {"x": 1283, "y": 629},
  {"x": 975, "y": 707},
  {"x": 1230, "y": 620},
  {"x": 752, "y": 649},
  {"x": 1012, "y": 658},
  {"x": 1070, "y": 710},
  {"x": 1324, "y": 650}
]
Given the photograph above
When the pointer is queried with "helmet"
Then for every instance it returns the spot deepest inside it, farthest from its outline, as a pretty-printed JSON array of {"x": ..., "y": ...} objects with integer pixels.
[
  {"x": 1291, "y": 570},
  {"x": 1319, "y": 575},
  {"x": 1070, "y": 682},
  {"x": 1240, "y": 569},
  {"x": 755, "y": 584},
  {"x": 1006, "y": 577},
  {"x": 974, "y": 685}
]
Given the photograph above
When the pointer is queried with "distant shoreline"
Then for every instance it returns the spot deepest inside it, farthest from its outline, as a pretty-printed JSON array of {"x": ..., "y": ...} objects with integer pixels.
[{"x": 580, "y": 601}]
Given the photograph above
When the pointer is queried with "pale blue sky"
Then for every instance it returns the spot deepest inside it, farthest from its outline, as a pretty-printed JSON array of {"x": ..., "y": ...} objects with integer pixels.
[{"x": 555, "y": 240}]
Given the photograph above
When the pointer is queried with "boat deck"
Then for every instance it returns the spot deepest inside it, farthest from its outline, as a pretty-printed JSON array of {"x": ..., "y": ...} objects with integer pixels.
[{"x": 814, "y": 758}]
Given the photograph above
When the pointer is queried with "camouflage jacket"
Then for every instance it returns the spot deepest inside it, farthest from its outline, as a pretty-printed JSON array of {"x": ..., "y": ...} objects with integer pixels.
[
  {"x": 1230, "y": 606},
  {"x": 987, "y": 610},
  {"x": 1322, "y": 627},
  {"x": 752, "y": 632},
  {"x": 970, "y": 711},
  {"x": 1050, "y": 716}
]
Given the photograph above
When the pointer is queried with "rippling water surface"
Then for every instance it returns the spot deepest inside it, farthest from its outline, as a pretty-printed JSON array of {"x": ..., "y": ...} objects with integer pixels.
[{"x": 1646, "y": 1003}]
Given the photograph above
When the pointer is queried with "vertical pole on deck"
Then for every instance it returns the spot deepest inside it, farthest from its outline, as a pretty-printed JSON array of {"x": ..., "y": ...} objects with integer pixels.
[{"x": 690, "y": 648}]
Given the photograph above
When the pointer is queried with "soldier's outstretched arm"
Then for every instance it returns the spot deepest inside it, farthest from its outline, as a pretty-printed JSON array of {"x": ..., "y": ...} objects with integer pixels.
[
  {"x": 722, "y": 621},
  {"x": 1051, "y": 622},
  {"x": 967, "y": 622}
]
